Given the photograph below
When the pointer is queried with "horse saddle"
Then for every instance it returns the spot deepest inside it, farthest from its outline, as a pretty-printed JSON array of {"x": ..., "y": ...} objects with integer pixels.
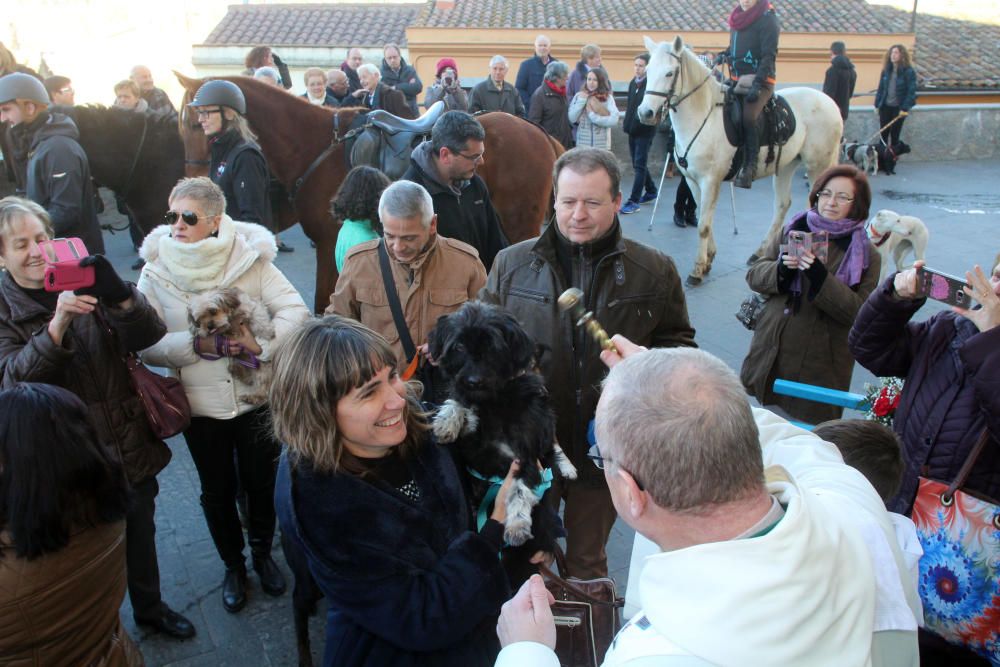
[
  {"x": 386, "y": 141},
  {"x": 775, "y": 125}
]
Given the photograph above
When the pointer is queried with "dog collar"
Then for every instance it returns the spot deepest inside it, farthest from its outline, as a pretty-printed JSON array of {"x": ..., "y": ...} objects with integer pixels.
[
  {"x": 495, "y": 484},
  {"x": 880, "y": 238}
]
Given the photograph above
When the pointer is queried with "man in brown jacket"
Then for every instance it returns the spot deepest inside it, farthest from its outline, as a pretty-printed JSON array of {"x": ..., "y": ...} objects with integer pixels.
[
  {"x": 432, "y": 275},
  {"x": 632, "y": 290}
]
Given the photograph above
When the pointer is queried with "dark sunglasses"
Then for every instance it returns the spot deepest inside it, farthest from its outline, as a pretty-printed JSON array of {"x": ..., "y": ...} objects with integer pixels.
[{"x": 189, "y": 218}]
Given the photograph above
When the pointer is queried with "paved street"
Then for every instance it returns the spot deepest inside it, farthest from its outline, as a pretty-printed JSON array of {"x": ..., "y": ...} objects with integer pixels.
[{"x": 957, "y": 200}]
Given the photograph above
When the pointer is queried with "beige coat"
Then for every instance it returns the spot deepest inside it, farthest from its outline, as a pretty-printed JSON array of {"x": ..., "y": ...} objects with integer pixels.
[
  {"x": 62, "y": 608},
  {"x": 445, "y": 276},
  {"x": 240, "y": 257}
]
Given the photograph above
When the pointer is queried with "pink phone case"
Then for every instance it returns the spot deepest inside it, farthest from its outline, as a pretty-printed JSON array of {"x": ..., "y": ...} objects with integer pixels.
[
  {"x": 62, "y": 265},
  {"x": 943, "y": 287}
]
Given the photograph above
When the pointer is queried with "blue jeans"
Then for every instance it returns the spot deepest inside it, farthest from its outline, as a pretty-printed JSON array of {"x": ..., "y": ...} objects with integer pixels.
[{"x": 638, "y": 149}]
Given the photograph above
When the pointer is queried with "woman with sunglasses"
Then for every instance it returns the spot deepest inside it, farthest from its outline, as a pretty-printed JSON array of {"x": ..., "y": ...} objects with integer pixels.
[
  {"x": 801, "y": 333},
  {"x": 57, "y": 338},
  {"x": 201, "y": 249}
]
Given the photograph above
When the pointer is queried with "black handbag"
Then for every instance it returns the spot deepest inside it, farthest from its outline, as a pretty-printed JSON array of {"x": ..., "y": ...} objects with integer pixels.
[{"x": 750, "y": 310}]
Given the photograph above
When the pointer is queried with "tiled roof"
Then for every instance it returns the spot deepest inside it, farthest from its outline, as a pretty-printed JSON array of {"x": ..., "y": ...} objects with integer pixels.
[
  {"x": 950, "y": 53},
  {"x": 681, "y": 15},
  {"x": 362, "y": 25}
]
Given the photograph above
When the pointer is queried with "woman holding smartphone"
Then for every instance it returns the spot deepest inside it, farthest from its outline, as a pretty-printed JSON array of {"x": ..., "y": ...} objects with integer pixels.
[
  {"x": 801, "y": 334},
  {"x": 56, "y": 337}
]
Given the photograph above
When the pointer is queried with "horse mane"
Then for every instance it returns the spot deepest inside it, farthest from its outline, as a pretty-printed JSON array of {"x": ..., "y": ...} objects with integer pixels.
[{"x": 118, "y": 131}]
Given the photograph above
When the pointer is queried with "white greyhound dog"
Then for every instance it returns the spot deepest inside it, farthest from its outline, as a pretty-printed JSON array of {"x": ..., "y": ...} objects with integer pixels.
[{"x": 677, "y": 78}]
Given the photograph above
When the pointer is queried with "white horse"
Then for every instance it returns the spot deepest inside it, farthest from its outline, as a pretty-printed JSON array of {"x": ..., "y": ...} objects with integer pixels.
[{"x": 677, "y": 78}]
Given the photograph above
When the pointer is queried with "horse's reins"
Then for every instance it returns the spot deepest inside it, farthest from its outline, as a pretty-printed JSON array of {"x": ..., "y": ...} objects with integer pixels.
[
  {"x": 672, "y": 106},
  {"x": 334, "y": 143}
]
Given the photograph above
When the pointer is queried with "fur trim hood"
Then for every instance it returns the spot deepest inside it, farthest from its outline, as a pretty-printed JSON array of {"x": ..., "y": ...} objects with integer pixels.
[{"x": 212, "y": 262}]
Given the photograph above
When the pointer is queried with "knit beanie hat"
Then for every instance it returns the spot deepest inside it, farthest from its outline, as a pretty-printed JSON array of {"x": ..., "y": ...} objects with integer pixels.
[{"x": 444, "y": 63}]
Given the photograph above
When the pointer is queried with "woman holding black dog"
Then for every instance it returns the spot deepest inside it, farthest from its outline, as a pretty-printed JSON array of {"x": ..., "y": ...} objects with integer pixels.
[
  {"x": 199, "y": 251},
  {"x": 377, "y": 509},
  {"x": 56, "y": 337},
  {"x": 801, "y": 333}
]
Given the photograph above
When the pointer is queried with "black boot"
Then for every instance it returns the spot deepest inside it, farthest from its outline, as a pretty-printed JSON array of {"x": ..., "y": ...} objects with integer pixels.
[
  {"x": 751, "y": 149},
  {"x": 271, "y": 579},
  {"x": 234, "y": 589}
]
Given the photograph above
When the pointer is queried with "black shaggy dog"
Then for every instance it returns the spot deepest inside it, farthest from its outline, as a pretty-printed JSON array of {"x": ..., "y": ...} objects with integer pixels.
[{"x": 498, "y": 411}]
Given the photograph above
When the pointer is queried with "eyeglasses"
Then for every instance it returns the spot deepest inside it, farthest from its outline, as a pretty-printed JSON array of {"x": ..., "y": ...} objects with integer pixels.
[
  {"x": 840, "y": 197},
  {"x": 205, "y": 113},
  {"x": 65, "y": 91},
  {"x": 189, "y": 218},
  {"x": 473, "y": 158},
  {"x": 594, "y": 454}
]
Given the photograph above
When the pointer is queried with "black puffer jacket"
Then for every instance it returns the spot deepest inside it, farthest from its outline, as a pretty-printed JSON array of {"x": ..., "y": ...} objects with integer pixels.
[
  {"x": 405, "y": 81},
  {"x": 632, "y": 289},
  {"x": 951, "y": 392},
  {"x": 88, "y": 365},
  {"x": 239, "y": 168},
  {"x": 754, "y": 49},
  {"x": 839, "y": 83},
  {"x": 57, "y": 176}
]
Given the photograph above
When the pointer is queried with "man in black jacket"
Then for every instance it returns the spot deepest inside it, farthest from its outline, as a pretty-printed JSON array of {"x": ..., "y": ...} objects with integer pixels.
[
  {"x": 446, "y": 167},
  {"x": 840, "y": 78},
  {"x": 50, "y": 166},
  {"x": 531, "y": 73},
  {"x": 640, "y": 138},
  {"x": 632, "y": 289},
  {"x": 400, "y": 76}
]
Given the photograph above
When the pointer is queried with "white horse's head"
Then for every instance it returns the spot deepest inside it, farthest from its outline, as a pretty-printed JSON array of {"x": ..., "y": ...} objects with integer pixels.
[{"x": 663, "y": 76}]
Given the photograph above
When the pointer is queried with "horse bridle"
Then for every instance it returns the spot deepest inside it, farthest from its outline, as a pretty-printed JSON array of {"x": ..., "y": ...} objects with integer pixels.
[
  {"x": 672, "y": 106},
  {"x": 180, "y": 122}
]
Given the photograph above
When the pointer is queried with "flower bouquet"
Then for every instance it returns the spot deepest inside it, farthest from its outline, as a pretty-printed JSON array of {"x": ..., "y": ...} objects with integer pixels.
[{"x": 883, "y": 399}]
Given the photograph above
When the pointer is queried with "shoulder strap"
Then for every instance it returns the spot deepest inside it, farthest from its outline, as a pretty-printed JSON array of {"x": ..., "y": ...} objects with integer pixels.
[
  {"x": 970, "y": 460},
  {"x": 397, "y": 310}
]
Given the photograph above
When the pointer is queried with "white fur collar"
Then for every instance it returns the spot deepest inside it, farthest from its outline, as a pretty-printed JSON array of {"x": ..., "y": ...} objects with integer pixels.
[{"x": 215, "y": 261}]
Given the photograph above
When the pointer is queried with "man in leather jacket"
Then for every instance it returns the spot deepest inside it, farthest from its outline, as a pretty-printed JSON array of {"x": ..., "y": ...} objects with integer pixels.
[{"x": 632, "y": 289}]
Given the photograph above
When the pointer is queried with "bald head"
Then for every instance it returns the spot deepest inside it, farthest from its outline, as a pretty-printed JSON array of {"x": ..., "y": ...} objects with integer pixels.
[
  {"x": 354, "y": 58},
  {"x": 142, "y": 77},
  {"x": 337, "y": 81},
  {"x": 542, "y": 47}
]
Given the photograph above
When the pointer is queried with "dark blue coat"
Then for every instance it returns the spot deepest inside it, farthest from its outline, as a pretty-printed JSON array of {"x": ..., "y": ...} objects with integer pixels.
[
  {"x": 329, "y": 101},
  {"x": 407, "y": 583},
  {"x": 906, "y": 88},
  {"x": 529, "y": 77},
  {"x": 951, "y": 392}
]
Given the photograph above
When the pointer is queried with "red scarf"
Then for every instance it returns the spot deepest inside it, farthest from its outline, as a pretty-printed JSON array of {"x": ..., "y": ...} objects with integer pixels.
[
  {"x": 559, "y": 89},
  {"x": 603, "y": 97},
  {"x": 740, "y": 19}
]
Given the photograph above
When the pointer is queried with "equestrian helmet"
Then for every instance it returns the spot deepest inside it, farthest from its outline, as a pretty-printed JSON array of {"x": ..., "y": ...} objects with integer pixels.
[
  {"x": 20, "y": 86},
  {"x": 223, "y": 93}
]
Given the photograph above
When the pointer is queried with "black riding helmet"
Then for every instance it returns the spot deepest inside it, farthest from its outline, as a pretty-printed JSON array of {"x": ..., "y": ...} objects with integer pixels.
[
  {"x": 223, "y": 93},
  {"x": 20, "y": 86}
]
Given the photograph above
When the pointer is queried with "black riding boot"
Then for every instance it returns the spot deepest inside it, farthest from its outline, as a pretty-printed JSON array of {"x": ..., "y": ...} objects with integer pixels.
[
  {"x": 751, "y": 151},
  {"x": 261, "y": 534}
]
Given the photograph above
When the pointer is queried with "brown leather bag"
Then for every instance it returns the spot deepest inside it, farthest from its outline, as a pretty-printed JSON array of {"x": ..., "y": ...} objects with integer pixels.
[
  {"x": 587, "y": 615},
  {"x": 163, "y": 399}
]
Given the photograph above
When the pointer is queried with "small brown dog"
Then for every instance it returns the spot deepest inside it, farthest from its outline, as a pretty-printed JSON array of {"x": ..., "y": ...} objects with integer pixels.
[{"x": 221, "y": 312}]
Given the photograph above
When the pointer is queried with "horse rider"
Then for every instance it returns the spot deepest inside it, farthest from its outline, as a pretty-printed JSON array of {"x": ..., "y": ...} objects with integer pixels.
[
  {"x": 753, "y": 47},
  {"x": 238, "y": 165}
]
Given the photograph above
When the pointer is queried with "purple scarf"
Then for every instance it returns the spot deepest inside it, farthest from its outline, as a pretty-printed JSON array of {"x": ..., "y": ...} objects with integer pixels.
[
  {"x": 856, "y": 259},
  {"x": 740, "y": 20}
]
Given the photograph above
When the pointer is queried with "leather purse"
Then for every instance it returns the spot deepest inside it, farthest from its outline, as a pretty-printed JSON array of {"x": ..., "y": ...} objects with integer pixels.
[
  {"x": 750, "y": 310},
  {"x": 587, "y": 615},
  {"x": 163, "y": 399}
]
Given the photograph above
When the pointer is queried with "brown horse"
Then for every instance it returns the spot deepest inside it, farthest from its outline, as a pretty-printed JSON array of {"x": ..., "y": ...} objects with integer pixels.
[{"x": 292, "y": 133}]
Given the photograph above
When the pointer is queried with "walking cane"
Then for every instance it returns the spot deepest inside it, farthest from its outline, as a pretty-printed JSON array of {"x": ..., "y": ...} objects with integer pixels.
[
  {"x": 732, "y": 200},
  {"x": 656, "y": 202}
]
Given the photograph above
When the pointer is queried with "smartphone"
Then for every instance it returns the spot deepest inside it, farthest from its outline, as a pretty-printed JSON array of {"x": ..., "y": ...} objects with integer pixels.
[
  {"x": 941, "y": 286},
  {"x": 62, "y": 265}
]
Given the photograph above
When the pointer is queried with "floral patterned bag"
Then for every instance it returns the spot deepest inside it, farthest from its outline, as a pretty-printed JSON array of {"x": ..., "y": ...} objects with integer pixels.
[{"x": 960, "y": 568}]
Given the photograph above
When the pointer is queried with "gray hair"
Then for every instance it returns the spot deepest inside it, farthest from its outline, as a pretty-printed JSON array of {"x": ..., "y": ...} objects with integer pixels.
[
  {"x": 453, "y": 129},
  {"x": 679, "y": 421},
  {"x": 406, "y": 200},
  {"x": 371, "y": 69},
  {"x": 267, "y": 72},
  {"x": 498, "y": 60},
  {"x": 14, "y": 209},
  {"x": 202, "y": 190},
  {"x": 556, "y": 70}
]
